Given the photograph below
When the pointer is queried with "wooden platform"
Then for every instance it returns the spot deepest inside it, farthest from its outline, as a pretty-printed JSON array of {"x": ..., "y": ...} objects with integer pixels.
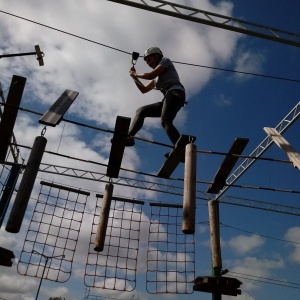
[
  {"x": 6, "y": 257},
  {"x": 117, "y": 146},
  {"x": 176, "y": 156},
  {"x": 56, "y": 112},
  {"x": 284, "y": 145},
  {"x": 228, "y": 163}
]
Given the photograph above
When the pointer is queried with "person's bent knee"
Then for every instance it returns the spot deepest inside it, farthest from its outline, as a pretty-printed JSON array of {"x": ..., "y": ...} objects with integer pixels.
[
  {"x": 140, "y": 110},
  {"x": 165, "y": 123}
]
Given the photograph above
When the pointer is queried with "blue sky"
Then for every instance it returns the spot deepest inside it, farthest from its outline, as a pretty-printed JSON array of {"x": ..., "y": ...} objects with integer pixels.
[{"x": 222, "y": 106}]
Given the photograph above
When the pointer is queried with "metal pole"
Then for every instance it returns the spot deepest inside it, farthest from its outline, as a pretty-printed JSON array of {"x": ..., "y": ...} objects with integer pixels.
[
  {"x": 39, "y": 54},
  {"x": 37, "y": 294},
  {"x": 17, "y": 54},
  {"x": 46, "y": 261}
]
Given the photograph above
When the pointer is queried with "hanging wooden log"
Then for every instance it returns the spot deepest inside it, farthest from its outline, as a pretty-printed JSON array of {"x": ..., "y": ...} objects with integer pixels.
[
  {"x": 103, "y": 220},
  {"x": 19, "y": 207},
  {"x": 189, "y": 193}
]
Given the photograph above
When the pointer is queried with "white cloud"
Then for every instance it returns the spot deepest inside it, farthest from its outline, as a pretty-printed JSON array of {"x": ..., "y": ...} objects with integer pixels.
[
  {"x": 100, "y": 75},
  {"x": 244, "y": 244},
  {"x": 7, "y": 240},
  {"x": 249, "y": 62},
  {"x": 16, "y": 287},
  {"x": 293, "y": 234},
  {"x": 222, "y": 101},
  {"x": 253, "y": 266}
]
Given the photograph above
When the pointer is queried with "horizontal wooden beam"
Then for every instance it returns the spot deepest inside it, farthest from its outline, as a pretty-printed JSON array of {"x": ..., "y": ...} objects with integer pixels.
[
  {"x": 56, "y": 112},
  {"x": 175, "y": 157},
  {"x": 228, "y": 163}
]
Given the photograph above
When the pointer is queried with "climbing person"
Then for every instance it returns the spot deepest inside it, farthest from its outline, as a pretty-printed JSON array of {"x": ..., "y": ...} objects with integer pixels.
[{"x": 163, "y": 77}]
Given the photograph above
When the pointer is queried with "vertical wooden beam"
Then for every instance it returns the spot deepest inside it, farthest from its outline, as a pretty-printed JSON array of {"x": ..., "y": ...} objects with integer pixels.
[
  {"x": 103, "y": 219},
  {"x": 213, "y": 209},
  {"x": 189, "y": 193},
  {"x": 39, "y": 55},
  {"x": 19, "y": 208},
  {"x": 10, "y": 113},
  {"x": 118, "y": 146}
]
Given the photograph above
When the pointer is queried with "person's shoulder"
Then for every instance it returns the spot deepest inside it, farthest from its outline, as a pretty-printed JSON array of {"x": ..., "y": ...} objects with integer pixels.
[{"x": 165, "y": 61}]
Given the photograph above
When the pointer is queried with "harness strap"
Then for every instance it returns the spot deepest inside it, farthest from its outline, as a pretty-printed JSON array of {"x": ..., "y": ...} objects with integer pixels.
[{"x": 178, "y": 95}]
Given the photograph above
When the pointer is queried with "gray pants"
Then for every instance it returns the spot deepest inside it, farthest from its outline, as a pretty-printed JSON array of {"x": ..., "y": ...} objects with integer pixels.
[{"x": 166, "y": 110}]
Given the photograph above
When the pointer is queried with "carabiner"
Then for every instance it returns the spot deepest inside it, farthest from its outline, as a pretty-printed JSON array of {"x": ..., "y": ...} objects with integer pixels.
[{"x": 135, "y": 56}]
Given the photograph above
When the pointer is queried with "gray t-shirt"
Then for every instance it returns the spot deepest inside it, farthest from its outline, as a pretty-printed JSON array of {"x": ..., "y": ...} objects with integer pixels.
[{"x": 169, "y": 79}]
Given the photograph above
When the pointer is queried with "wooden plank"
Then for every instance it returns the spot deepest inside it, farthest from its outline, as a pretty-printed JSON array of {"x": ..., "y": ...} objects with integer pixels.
[
  {"x": 10, "y": 113},
  {"x": 284, "y": 145},
  {"x": 175, "y": 157},
  {"x": 65, "y": 188},
  {"x": 127, "y": 200},
  {"x": 6, "y": 257},
  {"x": 39, "y": 55},
  {"x": 228, "y": 163},
  {"x": 56, "y": 112},
  {"x": 118, "y": 146}
]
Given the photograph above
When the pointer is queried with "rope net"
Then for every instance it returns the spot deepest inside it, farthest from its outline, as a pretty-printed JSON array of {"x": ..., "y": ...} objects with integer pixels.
[
  {"x": 11, "y": 175},
  {"x": 115, "y": 267},
  {"x": 53, "y": 233},
  {"x": 171, "y": 254},
  {"x": 4, "y": 173}
]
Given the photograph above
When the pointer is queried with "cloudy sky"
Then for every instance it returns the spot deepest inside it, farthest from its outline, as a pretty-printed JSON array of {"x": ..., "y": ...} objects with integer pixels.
[{"x": 87, "y": 47}]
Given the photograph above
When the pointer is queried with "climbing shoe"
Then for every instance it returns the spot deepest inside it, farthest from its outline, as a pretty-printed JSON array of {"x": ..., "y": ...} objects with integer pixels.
[{"x": 129, "y": 142}]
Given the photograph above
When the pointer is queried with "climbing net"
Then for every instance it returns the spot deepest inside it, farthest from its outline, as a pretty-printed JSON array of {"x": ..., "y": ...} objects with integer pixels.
[
  {"x": 4, "y": 173},
  {"x": 115, "y": 267},
  {"x": 53, "y": 233},
  {"x": 171, "y": 254}
]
